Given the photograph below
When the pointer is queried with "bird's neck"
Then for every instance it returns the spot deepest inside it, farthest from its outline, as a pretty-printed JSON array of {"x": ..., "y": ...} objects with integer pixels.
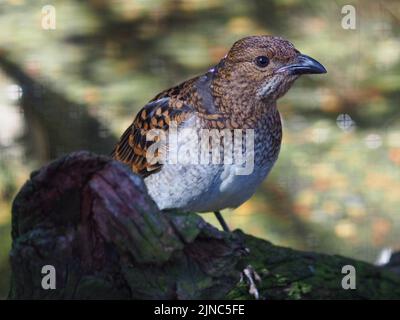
[
  {"x": 220, "y": 92},
  {"x": 239, "y": 101}
]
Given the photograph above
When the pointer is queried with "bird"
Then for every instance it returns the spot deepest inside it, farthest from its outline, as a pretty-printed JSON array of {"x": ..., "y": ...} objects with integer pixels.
[
  {"x": 240, "y": 92},
  {"x": 237, "y": 97}
]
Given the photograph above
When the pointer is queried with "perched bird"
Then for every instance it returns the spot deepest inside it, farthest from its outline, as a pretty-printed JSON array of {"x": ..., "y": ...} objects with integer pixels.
[{"x": 239, "y": 93}]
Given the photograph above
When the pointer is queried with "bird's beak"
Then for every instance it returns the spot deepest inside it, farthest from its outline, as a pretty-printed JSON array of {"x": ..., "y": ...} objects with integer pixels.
[{"x": 303, "y": 65}]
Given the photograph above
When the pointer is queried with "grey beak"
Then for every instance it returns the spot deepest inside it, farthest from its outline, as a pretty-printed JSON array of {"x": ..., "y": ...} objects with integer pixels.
[{"x": 303, "y": 65}]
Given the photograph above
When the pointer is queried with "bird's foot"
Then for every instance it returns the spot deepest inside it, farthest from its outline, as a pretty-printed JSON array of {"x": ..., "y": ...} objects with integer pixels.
[{"x": 251, "y": 276}]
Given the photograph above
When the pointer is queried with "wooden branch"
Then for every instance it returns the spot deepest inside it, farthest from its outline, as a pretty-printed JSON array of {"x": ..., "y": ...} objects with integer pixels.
[{"x": 92, "y": 219}]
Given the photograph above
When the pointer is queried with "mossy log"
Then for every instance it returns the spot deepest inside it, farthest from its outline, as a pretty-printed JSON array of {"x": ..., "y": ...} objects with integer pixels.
[{"x": 91, "y": 218}]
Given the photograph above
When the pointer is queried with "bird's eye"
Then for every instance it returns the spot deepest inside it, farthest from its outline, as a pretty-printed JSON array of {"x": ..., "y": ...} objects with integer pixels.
[{"x": 262, "y": 61}]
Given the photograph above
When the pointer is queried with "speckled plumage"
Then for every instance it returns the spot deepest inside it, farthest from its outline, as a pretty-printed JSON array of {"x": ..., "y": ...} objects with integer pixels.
[{"x": 235, "y": 94}]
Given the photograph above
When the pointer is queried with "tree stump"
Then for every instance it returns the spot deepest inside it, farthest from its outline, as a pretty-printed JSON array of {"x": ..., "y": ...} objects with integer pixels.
[{"x": 91, "y": 218}]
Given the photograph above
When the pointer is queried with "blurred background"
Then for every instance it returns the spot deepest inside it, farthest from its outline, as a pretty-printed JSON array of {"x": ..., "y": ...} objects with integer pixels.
[{"x": 336, "y": 185}]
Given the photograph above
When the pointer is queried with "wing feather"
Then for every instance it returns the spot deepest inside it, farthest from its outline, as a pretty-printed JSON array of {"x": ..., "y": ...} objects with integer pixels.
[{"x": 133, "y": 146}]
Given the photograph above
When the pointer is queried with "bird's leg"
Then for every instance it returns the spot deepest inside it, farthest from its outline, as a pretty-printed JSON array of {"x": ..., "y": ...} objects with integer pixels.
[
  {"x": 248, "y": 273},
  {"x": 222, "y": 221},
  {"x": 251, "y": 276}
]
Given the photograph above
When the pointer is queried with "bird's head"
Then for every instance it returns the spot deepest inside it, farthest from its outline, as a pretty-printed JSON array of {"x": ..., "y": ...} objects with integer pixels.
[{"x": 268, "y": 65}]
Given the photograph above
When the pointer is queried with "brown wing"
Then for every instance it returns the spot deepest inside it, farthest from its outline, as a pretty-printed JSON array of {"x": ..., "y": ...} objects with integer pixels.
[{"x": 133, "y": 146}]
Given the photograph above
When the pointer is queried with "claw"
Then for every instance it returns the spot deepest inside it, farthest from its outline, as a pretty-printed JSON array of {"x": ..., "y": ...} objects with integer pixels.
[{"x": 251, "y": 276}]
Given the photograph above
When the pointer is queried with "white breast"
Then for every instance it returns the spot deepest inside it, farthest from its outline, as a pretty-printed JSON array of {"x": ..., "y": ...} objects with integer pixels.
[
  {"x": 203, "y": 188},
  {"x": 234, "y": 189},
  {"x": 210, "y": 187}
]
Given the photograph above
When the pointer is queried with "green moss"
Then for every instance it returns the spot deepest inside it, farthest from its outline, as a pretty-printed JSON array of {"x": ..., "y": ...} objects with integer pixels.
[
  {"x": 298, "y": 289},
  {"x": 290, "y": 274}
]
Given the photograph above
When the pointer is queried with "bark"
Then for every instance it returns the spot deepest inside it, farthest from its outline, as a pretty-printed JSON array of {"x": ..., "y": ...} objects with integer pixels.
[{"x": 91, "y": 218}]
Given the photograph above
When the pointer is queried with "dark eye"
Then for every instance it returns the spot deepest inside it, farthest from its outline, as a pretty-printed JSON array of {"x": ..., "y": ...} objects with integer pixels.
[{"x": 262, "y": 61}]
